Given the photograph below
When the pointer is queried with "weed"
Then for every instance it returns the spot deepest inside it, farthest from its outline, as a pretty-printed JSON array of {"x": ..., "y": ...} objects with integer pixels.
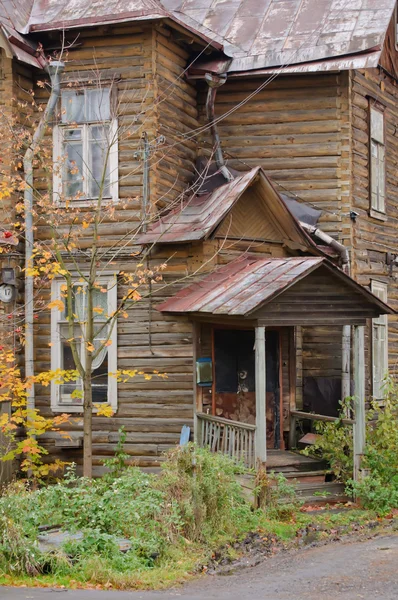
[{"x": 276, "y": 496}]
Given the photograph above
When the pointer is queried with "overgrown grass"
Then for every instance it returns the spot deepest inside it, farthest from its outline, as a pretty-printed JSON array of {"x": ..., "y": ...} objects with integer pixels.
[{"x": 174, "y": 522}]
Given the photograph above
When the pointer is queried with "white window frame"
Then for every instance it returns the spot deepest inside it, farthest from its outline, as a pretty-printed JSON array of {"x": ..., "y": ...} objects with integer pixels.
[
  {"x": 396, "y": 27},
  {"x": 56, "y": 347},
  {"x": 377, "y": 163},
  {"x": 379, "y": 352},
  {"x": 58, "y": 159}
]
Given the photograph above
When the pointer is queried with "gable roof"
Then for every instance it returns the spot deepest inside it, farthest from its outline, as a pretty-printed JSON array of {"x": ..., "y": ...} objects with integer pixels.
[
  {"x": 247, "y": 283},
  {"x": 256, "y": 34},
  {"x": 200, "y": 215}
]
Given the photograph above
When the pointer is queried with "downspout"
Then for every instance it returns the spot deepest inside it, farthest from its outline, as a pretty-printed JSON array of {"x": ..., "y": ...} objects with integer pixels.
[
  {"x": 329, "y": 241},
  {"x": 346, "y": 335},
  {"x": 54, "y": 69},
  {"x": 214, "y": 82}
]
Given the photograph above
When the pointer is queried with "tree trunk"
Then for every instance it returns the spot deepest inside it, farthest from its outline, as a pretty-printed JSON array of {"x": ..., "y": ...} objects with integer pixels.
[{"x": 87, "y": 427}]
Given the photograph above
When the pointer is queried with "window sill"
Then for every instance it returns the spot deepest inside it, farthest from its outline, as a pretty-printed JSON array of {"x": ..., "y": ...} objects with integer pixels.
[
  {"x": 87, "y": 202},
  {"x": 72, "y": 408},
  {"x": 381, "y": 216}
]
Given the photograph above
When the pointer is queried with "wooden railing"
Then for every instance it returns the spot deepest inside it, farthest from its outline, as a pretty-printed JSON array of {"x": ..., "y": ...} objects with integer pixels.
[
  {"x": 230, "y": 437},
  {"x": 300, "y": 415}
]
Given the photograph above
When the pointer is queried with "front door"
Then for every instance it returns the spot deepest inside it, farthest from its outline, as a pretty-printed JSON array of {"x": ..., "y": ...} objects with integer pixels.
[{"x": 234, "y": 381}]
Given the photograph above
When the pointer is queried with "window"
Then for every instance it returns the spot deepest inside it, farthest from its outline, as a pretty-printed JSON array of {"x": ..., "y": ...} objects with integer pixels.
[
  {"x": 85, "y": 147},
  {"x": 396, "y": 27},
  {"x": 67, "y": 397},
  {"x": 379, "y": 343},
  {"x": 377, "y": 162}
]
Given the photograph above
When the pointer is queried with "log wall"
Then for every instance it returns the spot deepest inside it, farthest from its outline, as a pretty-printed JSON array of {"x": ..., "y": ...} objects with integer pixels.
[
  {"x": 296, "y": 128},
  {"x": 374, "y": 238}
]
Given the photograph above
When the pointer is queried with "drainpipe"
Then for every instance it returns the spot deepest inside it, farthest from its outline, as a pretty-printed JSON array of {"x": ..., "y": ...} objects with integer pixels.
[
  {"x": 214, "y": 82},
  {"x": 329, "y": 241},
  {"x": 54, "y": 69},
  {"x": 346, "y": 336}
]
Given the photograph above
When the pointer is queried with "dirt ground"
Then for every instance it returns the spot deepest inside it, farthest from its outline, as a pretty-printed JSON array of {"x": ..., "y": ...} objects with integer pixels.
[{"x": 346, "y": 570}]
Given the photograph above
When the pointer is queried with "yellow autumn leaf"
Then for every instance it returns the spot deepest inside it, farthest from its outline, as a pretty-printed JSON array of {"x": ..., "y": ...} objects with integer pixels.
[
  {"x": 104, "y": 410},
  {"x": 57, "y": 304},
  {"x": 98, "y": 310},
  {"x": 3, "y": 420},
  {"x": 85, "y": 225}
]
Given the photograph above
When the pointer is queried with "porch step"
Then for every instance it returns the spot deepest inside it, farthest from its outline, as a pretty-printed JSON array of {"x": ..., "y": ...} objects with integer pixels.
[
  {"x": 289, "y": 461},
  {"x": 328, "y": 492},
  {"x": 317, "y": 476}
]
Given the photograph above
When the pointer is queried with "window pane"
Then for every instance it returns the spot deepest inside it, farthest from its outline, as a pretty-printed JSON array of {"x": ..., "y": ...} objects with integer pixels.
[
  {"x": 72, "y": 107},
  {"x": 79, "y": 303},
  {"x": 377, "y": 125},
  {"x": 67, "y": 363},
  {"x": 73, "y": 165},
  {"x": 98, "y": 105},
  {"x": 382, "y": 179},
  {"x": 100, "y": 381},
  {"x": 100, "y": 301},
  {"x": 98, "y": 160},
  {"x": 67, "y": 358}
]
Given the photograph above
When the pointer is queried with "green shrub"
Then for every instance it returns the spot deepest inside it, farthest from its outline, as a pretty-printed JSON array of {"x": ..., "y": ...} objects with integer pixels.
[
  {"x": 378, "y": 488},
  {"x": 335, "y": 445}
]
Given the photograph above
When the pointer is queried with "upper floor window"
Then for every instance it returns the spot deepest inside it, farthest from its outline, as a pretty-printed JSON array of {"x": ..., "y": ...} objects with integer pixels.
[
  {"x": 85, "y": 147},
  {"x": 377, "y": 162},
  {"x": 379, "y": 343}
]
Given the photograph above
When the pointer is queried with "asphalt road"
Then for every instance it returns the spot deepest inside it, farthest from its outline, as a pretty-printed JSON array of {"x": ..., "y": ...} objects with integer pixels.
[{"x": 347, "y": 570}]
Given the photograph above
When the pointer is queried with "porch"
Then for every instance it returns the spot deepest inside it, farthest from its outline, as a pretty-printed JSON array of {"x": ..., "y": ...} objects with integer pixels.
[{"x": 246, "y": 317}]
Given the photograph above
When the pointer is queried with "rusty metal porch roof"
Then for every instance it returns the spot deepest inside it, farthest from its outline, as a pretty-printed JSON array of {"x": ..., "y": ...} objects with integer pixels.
[
  {"x": 247, "y": 283},
  {"x": 255, "y": 34}
]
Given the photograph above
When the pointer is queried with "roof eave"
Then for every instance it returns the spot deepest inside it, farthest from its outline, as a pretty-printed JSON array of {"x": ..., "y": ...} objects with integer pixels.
[{"x": 125, "y": 18}]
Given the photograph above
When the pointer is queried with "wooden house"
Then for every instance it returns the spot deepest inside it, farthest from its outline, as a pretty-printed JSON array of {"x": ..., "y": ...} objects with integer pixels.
[{"x": 282, "y": 260}]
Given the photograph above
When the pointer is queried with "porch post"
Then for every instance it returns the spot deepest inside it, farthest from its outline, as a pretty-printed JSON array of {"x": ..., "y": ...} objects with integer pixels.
[
  {"x": 359, "y": 398},
  {"x": 261, "y": 422},
  {"x": 345, "y": 366}
]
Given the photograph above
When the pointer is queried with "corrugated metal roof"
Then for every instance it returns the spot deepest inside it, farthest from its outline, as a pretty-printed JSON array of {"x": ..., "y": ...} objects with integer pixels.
[
  {"x": 16, "y": 13},
  {"x": 200, "y": 215},
  {"x": 262, "y": 34},
  {"x": 257, "y": 34},
  {"x": 247, "y": 283}
]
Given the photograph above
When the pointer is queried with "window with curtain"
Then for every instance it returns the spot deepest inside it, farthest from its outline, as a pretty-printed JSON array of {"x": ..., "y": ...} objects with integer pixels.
[
  {"x": 379, "y": 343},
  {"x": 68, "y": 396},
  {"x": 377, "y": 162},
  {"x": 85, "y": 147}
]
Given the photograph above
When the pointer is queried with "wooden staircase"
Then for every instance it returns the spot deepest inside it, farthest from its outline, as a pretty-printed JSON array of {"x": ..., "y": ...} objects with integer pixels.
[{"x": 311, "y": 477}]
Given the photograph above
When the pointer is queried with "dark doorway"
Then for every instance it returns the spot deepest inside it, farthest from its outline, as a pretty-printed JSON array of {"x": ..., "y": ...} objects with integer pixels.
[{"x": 234, "y": 385}]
